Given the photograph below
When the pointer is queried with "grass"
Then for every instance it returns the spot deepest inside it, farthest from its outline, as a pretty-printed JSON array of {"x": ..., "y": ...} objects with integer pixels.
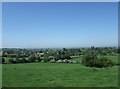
[
  {"x": 113, "y": 58},
  {"x": 58, "y": 75},
  {"x": 77, "y": 58}
]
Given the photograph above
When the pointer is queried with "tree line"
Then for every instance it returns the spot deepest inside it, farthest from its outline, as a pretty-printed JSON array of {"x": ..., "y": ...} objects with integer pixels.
[{"x": 61, "y": 55}]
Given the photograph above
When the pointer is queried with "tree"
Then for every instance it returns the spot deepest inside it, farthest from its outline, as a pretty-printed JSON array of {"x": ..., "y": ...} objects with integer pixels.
[{"x": 64, "y": 49}]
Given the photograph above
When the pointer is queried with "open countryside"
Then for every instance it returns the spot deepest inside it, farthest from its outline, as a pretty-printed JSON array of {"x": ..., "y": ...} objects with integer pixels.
[
  {"x": 59, "y": 44},
  {"x": 47, "y": 68}
]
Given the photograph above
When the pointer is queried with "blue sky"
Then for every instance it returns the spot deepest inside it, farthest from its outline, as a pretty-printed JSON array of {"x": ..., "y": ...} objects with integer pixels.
[{"x": 41, "y": 25}]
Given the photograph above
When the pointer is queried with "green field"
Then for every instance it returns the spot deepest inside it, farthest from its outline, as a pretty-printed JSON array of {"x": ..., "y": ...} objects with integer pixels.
[
  {"x": 58, "y": 75},
  {"x": 113, "y": 58}
]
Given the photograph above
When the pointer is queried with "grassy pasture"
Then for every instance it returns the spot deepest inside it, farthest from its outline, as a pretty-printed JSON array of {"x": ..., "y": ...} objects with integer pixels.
[
  {"x": 58, "y": 75},
  {"x": 113, "y": 58},
  {"x": 78, "y": 58}
]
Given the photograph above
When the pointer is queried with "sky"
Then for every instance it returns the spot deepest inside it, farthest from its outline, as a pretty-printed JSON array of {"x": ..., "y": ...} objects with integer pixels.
[
  {"x": 59, "y": 24},
  {"x": 60, "y": 0},
  {"x": 0, "y": 25}
]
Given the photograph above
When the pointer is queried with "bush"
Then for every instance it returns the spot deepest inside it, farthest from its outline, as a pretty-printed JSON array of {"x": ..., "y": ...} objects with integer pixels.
[
  {"x": 59, "y": 61},
  {"x": 118, "y": 64},
  {"x": 2, "y": 60},
  {"x": 42, "y": 58},
  {"x": 42, "y": 61},
  {"x": 46, "y": 58},
  {"x": 51, "y": 57},
  {"x": 65, "y": 61},
  {"x": 106, "y": 62},
  {"x": 11, "y": 61},
  {"x": 38, "y": 59},
  {"x": 52, "y": 61},
  {"x": 32, "y": 59},
  {"x": 75, "y": 62},
  {"x": 26, "y": 59},
  {"x": 69, "y": 61},
  {"x": 23, "y": 60},
  {"x": 57, "y": 56},
  {"x": 92, "y": 61},
  {"x": 65, "y": 56},
  {"x": 17, "y": 60}
]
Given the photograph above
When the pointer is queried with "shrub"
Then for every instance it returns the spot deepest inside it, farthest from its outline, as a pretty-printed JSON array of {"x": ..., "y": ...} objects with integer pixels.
[
  {"x": 65, "y": 56},
  {"x": 75, "y": 62},
  {"x": 69, "y": 61},
  {"x": 42, "y": 61},
  {"x": 91, "y": 61},
  {"x": 65, "y": 61},
  {"x": 2, "y": 60},
  {"x": 11, "y": 61},
  {"x": 118, "y": 64},
  {"x": 46, "y": 58},
  {"x": 57, "y": 56},
  {"x": 106, "y": 62},
  {"x": 52, "y": 61},
  {"x": 59, "y": 61},
  {"x": 38, "y": 59},
  {"x": 32, "y": 59},
  {"x": 42, "y": 58},
  {"x": 51, "y": 57},
  {"x": 17, "y": 60},
  {"x": 23, "y": 60}
]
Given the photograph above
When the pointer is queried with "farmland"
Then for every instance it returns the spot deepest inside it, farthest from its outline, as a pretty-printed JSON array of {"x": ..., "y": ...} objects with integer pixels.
[
  {"x": 58, "y": 75},
  {"x": 89, "y": 67},
  {"x": 59, "y": 44}
]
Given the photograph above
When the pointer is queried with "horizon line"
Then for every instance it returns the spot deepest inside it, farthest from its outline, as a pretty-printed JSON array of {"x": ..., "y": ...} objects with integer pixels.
[{"x": 50, "y": 47}]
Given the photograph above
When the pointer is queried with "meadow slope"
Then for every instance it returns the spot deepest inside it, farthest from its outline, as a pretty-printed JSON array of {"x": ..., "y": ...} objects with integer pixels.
[{"x": 58, "y": 75}]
